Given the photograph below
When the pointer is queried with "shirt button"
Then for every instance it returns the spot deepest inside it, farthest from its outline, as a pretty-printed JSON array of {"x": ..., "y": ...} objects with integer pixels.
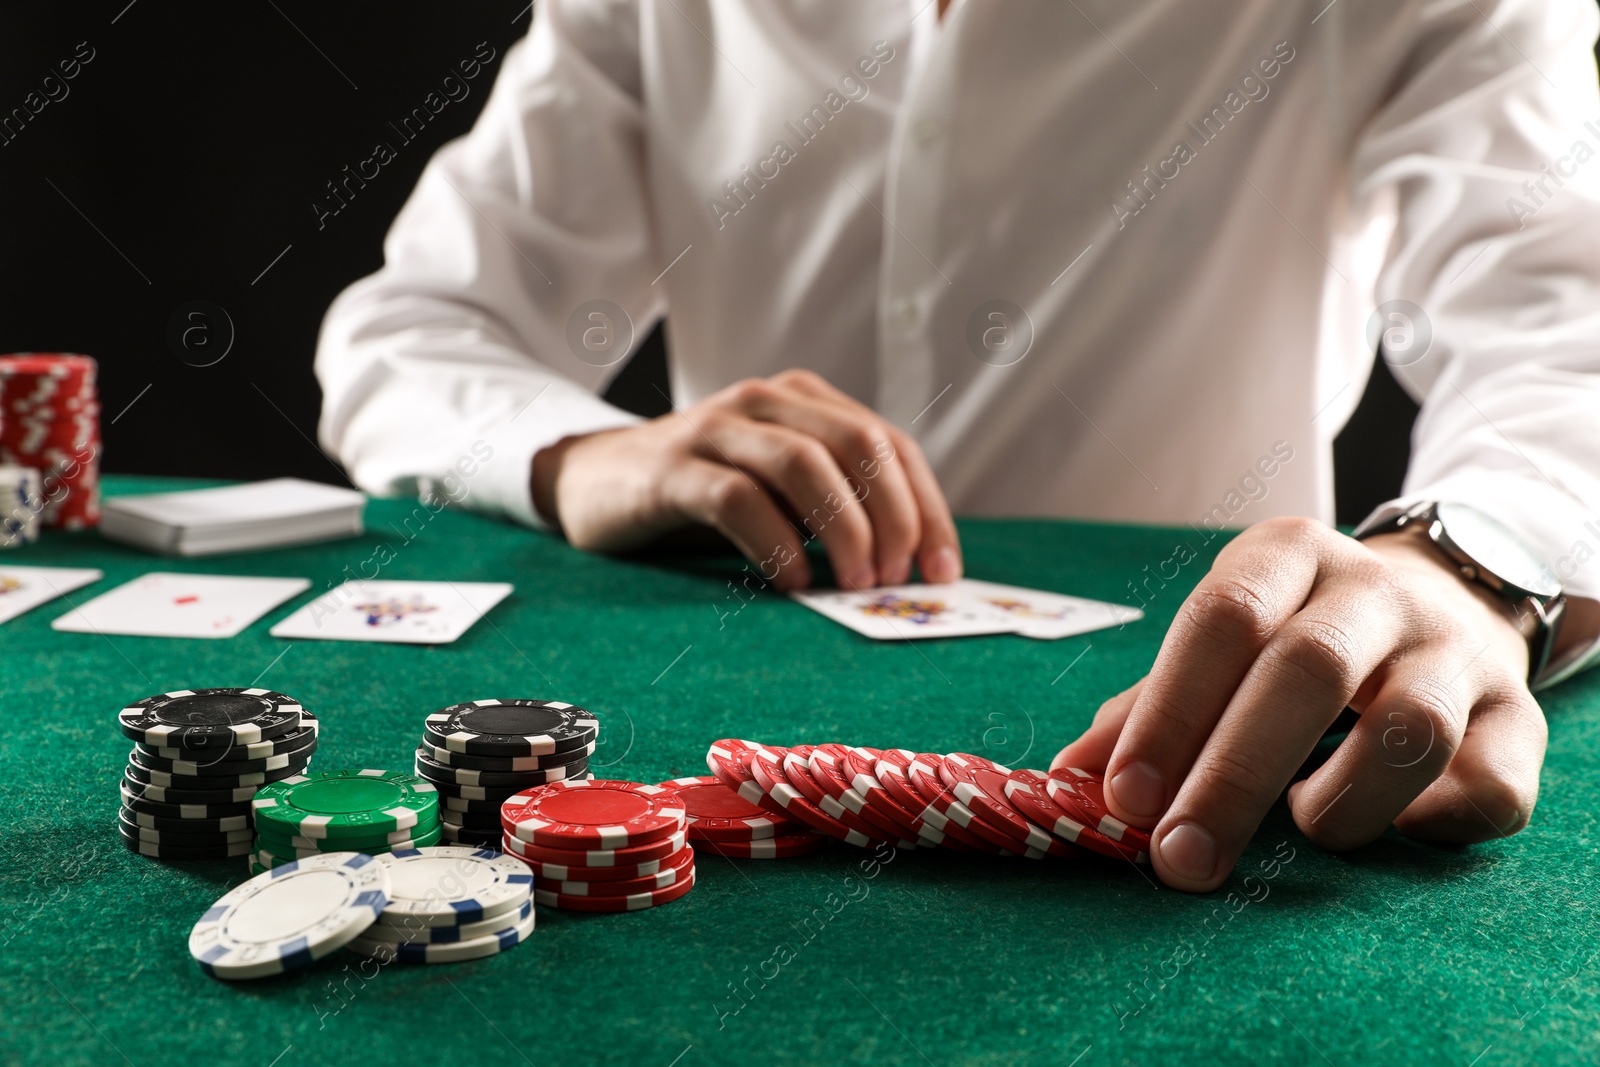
[
  {"x": 905, "y": 313},
  {"x": 927, "y": 131}
]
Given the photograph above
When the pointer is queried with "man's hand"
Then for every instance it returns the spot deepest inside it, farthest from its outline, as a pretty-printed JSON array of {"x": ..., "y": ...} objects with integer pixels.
[
  {"x": 769, "y": 463},
  {"x": 1294, "y": 622}
]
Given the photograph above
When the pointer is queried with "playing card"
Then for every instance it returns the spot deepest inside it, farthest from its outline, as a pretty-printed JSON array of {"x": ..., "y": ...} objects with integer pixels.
[
  {"x": 416, "y": 613},
  {"x": 24, "y": 588},
  {"x": 963, "y": 609},
  {"x": 181, "y": 605},
  {"x": 1049, "y": 616},
  {"x": 901, "y": 612}
]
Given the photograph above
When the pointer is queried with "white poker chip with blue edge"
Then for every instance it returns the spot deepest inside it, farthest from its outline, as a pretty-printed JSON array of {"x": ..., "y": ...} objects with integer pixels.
[
  {"x": 447, "y": 885},
  {"x": 289, "y": 916}
]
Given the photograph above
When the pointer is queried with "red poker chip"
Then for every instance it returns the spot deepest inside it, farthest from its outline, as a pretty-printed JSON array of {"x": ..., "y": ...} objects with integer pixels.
[
  {"x": 729, "y": 760},
  {"x": 717, "y": 813},
  {"x": 597, "y": 857},
  {"x": 1028, "y": 794},
  {"x": 636, "y": 902},
  {"x": 892, "y": 770},
  {"x": 679, "y": 867},
  {"x": 797, "y": 769},
  {"x": 773, "y": 848},
  {"x": 858, "y": 765},
  {"x": 944, "y": 810},
  {"x": 561, "y": 872},
  {"x": 825, "y": 770},
  {"x": 1084, "y": 793},
  {"x": 980, "y": 784},
  {"x": 593, "y": 813},
  {"x": 769, "y": 776}
]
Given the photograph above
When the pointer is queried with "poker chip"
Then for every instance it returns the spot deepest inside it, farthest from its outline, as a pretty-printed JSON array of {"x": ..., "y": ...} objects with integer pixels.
[
  {"x": 1028, "y": 793},
  {"x": 433, "y": 770},
  {"x": 302, "y": 847},
  {"x": 769, "y": 777},
  {"x": 729, "y": 760},
  {"x": 333, "y": 804},
  {"x": 772, "y": 848},
  {"x": 290, "y": 916},
  {"x": 464, "y": 820},
  {"x": 49, "y": 427},
  {"x": 507, "y": 763},
  {"x": 200, "y": 717},
  {"x": 447, "y": 951},
  {"x": 138, "y": 770},
  {"x": 230, "y": 752},
  {"x": 633, "y": 902},
  {"x": 174, "y": 810},
  {"x": 893, "y": 770},
  {"x": 448, "y": 886},
  {"x": 671, "y": 870},
  {"x": 408, "y": 932},
  {"x": 980, "y": 784},
  {"x": 598, "y": 857},
  {"x": 944, "y": 811},
  {"x": 602, "y": 814},
  {"x": 182, "y": 825},
  {"x": 717, "y": 813},
  {"x": 190, "y": 838},
  {"x": 858, "y": 765},
  {"x": 458, "y": 835},
  {"x": 509, "y": 728},
  {"x": 825, "y": 770},
  {"x": 471, "y": 807},
  {"x": 367, "y": 843},
  {"x": 234, "y": 769},
  {"x": 1083, "y": 793},
  {"x": 561, "y": 872},
  {"x": 164, "y": 851}
]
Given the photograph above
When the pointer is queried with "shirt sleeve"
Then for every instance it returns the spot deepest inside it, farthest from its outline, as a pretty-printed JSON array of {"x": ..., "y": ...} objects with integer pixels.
[
  {"x": 1488, "y": 147},
  {"x": 477, "y": 344}
]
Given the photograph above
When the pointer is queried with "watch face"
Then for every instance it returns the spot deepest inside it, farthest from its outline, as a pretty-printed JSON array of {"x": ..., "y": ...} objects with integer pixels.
[{"x": 1497, "y": 550}]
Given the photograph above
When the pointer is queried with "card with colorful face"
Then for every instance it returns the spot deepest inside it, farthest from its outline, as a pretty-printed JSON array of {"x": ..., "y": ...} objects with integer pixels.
[
  {"x": 24, "y": 588},
  {"x": 181, "y": 605},
  {"x": 411, "y": 613},
  {"x": 963, "y": 609}
]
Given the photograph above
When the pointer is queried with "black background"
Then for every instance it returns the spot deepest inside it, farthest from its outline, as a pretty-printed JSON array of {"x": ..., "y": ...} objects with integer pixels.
[{"x": 184, "y": 162}]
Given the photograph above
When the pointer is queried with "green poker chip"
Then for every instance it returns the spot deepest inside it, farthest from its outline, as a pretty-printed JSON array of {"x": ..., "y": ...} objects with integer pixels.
[
  {"x": 279, "y": 843},
  {"x": 357, "y": 804}
]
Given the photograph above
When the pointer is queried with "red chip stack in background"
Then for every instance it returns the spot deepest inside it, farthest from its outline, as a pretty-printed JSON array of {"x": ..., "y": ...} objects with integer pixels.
[
  {"x": 50, "y": 421},
  {"x": 600, "y": 845}
]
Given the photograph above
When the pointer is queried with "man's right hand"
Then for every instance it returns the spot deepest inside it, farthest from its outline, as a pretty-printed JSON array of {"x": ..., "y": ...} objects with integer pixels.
[{"x": 769, "y": 463}]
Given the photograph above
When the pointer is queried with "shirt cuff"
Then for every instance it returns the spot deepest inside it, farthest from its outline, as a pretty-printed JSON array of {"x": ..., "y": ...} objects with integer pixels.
[{"x": 504, "y": 483}]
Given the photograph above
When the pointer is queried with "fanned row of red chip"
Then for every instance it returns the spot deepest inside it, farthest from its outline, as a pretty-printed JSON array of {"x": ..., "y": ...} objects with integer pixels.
[
  {"x": 865, "y": 796},
  {"x": 50, "y": 422}
]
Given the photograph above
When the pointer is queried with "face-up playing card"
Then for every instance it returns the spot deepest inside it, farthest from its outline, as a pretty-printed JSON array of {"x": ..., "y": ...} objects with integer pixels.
[
  {"x": 24, "y": 588},
  {"x": 413, "y": 613},
  {"x": 1049, "y": 616},
  {"x": 181, "y": 605},
  {"x": 963, "y": 609}
]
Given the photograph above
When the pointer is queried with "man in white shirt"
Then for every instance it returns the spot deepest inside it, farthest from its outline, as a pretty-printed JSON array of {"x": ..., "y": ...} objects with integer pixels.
[{"x": 1093, "y": 259}]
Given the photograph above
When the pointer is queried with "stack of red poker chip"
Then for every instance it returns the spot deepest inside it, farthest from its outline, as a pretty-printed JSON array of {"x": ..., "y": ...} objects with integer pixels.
[
  {"x": 600, "y": 845},
  {"x": 50, "y": 421},
  {"x": 870, "y": 797},
  {"x": 723, "y": 823}
]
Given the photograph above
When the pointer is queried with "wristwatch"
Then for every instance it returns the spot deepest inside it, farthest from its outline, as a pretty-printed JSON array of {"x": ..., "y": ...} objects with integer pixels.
[{"x": 1487, "y": 553}]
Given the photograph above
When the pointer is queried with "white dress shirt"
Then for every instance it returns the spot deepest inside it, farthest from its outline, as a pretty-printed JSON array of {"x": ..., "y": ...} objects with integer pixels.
[{"x": 1197, "y": 206}]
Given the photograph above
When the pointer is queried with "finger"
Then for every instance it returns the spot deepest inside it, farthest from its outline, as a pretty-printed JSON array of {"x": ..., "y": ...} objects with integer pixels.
[
  {"x": 1405, "y": 737},
  {"x": 802, "y": 471},
  {"x": 1491, "y": 786},
  {"x": 938, "y": 553},
  {"x": 1304, "y": 677},
  {"x": 1092, "y": 750},
  {"x": 860, "y": 444},
  {"x": 1257, "y": 583},
  {"x": 716, "y": 495}
]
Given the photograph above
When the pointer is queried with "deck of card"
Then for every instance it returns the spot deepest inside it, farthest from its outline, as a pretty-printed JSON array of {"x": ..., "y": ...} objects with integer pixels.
[
  {"x": 234, "y": 518},
  {"x": 963, "y": 609},
  {"x": 413, "y": 613}
]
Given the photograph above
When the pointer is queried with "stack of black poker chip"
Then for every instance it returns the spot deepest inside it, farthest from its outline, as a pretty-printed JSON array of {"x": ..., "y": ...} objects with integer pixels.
[
  {"x": 199, "y": 757},
  {"x": 482, "y": 752}
]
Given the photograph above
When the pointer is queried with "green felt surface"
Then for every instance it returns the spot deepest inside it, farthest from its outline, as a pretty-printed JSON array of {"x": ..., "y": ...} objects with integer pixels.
[{"x": 1398, "y": 953}]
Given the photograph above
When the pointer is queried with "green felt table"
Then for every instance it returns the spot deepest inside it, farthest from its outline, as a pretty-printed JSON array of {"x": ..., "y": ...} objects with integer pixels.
[{"x": 1397, "y": 953}]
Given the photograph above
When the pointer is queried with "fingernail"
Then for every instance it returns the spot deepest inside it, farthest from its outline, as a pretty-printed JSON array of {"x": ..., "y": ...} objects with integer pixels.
[
  {"x": 896, "y": 572},
  {"x": 1190, "y": 851},
  {"x": 943, "y": 566},
  {"x": 1139, "y": 790}
]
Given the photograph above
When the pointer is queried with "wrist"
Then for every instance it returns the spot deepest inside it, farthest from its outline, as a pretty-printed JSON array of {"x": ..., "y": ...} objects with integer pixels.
[
  {"x": 1413, "y": 551},
  {"x": 544, "y": 478}
]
